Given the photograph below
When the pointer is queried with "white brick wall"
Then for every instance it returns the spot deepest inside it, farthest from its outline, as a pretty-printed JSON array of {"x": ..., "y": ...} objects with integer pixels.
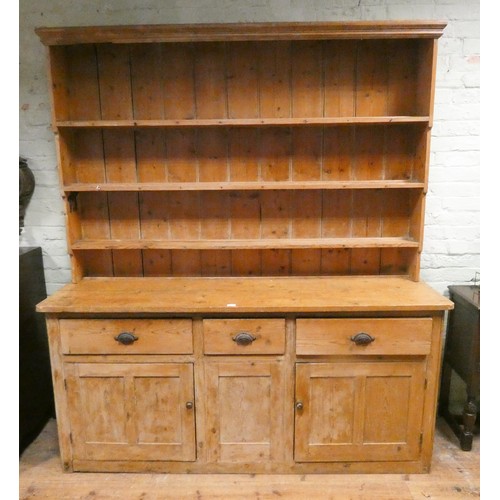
[{"x": 451, "y": 245}]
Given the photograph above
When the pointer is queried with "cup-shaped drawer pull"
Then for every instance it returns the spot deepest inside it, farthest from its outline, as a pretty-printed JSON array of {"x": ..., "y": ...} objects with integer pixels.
[
  {"x": 362, "y": 338},
  {"x": 244, "y": 338},
  {"x": 126, "y": 338}
]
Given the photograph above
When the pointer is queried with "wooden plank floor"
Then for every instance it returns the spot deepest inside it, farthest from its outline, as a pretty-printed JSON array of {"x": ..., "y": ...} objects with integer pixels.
[{"x": 454, "y": 475}]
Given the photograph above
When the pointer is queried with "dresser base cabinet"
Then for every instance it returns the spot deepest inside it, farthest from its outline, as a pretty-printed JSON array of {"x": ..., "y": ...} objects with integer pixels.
[{"x": 276, "y": 375}]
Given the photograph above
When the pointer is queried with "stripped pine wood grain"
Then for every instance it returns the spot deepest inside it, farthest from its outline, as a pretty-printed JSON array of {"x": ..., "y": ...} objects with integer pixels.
[
  {"x": 306, "y": 223},
  {"x": 338, "y": 153},
  {"x": 146, "y": 81},
  {"x": 286, "y": 294},
  {"x": 242, "y": 75},
  {"x": 177, "y": 65},
  {"x": 275, "y": 79},
  {"x": 182, "y": 156},
  {"x": 58, "y": 80},
  {"x": 243, "y": 122},
  {"x": 210, "y": 81},
  {"x": 243, "y": 155},
  {"x": 400, "y": 153},
  {"x": 83, "y": 86},
  {"x": 371, "y": 79},
  {"x": 115, "y": 91},
  {"x": 307, "y": 76},
  {"x": 115, "y": 88},
  {"x": 125, "y": 224},
  {"x": 306, "y": 154},
  {"x": 149, "y": 151},
  {"x": 402, "y": 76},
  {"x": 242, "y": 185},
  {"x": 339, "y": 77},
  {"x": 94, "y": 220},
  {"x": 272, "y": 242}
]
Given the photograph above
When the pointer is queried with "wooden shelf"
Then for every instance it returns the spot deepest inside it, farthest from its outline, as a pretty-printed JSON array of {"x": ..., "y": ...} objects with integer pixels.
[
  {"x": 242, "y": 186},
  {"x": 270, "y": 243},
  {"x": 228, "y": 146},
  {"x": 244, "y": 122}
]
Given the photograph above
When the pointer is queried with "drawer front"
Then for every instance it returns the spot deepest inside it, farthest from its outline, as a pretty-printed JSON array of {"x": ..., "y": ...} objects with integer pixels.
[
  {"x": 102, "y": 336},
  {"x": 338, "y": 336},
  {"x": 244, "y": 336}
]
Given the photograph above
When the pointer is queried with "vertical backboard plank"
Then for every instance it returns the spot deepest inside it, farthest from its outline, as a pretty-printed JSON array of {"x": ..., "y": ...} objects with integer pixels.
[
  {"x": 275, "y": 223},
  {"x": 83, "y": 84},
  {"x": 400, "y": 153},
  {"x": 181, "y": 154},
  {"x": 147, "y": 88},
  {"x": 94, "y": 220},
  {"x": 275, "y": 154},
  {"x": 275, "y": 79},
  {"x": 243, "y": 154},
  {"x": 402, "y": 56},
  {"x": 369, "y": 153},
  {"x": 242, "y": 76},
  {"x": 338, "y": 153},
  {"x": 306, "y": 153},
  {"x": 307, "y": 79},
  {"x": 339, "y": 66},
  {"x": 211, "y": 148},
  {"x": 371, "y": 78},
  {"x": 178, "y": 81},
  {"x": 245, "y": 224},
  {"x": 88, "y": 156},
  {"x": 119, "y": 155},
  {"x": 115, "y": 82},
  {"x": 124, "y": 225},
  {"x": 151, "y": 155},
  {"x": 210, "y": 81}
]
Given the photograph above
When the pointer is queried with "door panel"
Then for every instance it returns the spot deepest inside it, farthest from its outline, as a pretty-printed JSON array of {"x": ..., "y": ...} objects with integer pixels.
[
  {"x": 245, "y": 407},
  {"x": 358, "y": 411},
  {"x": 132, "y": 411}
]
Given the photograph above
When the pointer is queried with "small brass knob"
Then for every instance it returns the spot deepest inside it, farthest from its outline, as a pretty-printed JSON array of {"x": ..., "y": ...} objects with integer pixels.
[
  {"x": 189, "y": 405},
  {"x": 299, "y": 405}
]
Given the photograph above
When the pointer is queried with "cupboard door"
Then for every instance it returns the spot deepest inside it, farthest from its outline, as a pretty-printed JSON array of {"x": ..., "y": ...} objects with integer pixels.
[
  {"x": 245, "y": 411},
  {"x": 358, "y": 411},
  {"x": 132, "y": 411}
]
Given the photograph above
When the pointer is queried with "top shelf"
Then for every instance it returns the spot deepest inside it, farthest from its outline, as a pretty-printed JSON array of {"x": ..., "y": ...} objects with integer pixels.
[{"x": 244, "y": 122}]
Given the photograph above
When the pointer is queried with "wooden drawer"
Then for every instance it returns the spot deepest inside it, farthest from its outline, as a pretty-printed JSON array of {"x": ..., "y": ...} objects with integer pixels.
[
  {"x": 392, "y": 336},
  {"x": 153, "y": 336},
  {"x": 227, "y": 336}
]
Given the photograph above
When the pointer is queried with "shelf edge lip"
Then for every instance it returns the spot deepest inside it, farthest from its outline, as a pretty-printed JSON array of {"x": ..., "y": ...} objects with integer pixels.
[
  {"x": 240, "y": 186},
  {"x": 202, "y": 32},
  {"x": 244, "y": 122},
  {"x": 96, "y": 309},
  {"x": 256, "y": 244}
]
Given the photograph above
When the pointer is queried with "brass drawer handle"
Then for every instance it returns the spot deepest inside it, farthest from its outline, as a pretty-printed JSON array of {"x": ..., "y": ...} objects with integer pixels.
[
  {"x": 362, "y": 338},
  {"x": 189, "y": 405},
  {"x": 126, "y": 338},
  {"x": 244, "y": 338}
]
